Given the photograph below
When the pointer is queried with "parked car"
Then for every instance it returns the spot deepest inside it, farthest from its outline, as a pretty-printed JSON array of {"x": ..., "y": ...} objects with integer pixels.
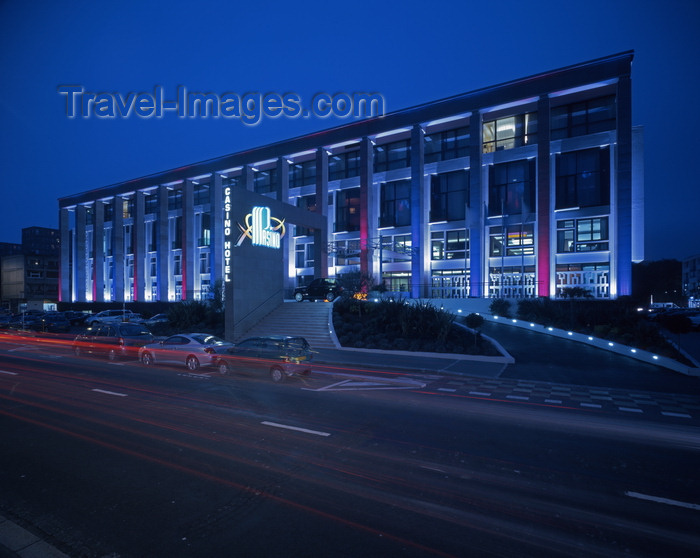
[
  {"x": 191, "y": 350},
  {"x": 280, "y": 356},
  {"x": 319, "y": 289},
  {"x": 112, "y": 316},
  {"x": 115, "y": 340},
  {"x": 53, "y": 322},
  {"x": 157, "y": 319},
  {"x": 76, "y": 318}
]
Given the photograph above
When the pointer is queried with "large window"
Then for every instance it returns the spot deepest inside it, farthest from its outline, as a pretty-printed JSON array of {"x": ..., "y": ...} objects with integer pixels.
[
  {"x": 449, "y": 195},
  {"x": 347, "y": 210},
  {"x": 302, "y": 174},
  {"x": 395, "y": 208},
  {"x": 396, "y": 248},
  {"x": 344, "y": 165},
  {"x": 512, "y": 188},
  {"x": 175, "y": 199},
  {"x": 304, "y": 255},
  {"x": 265, "y": 181},
  {"x": 519, "y": 240},
  {"x": 510, "y": 132},
  {"x": 151, "y": 205},
  {"x": 450, "y": 144},
  {"x": 395, "y": 155},
  {"x": 201, "y": 194},
  {"x": 582, "y": 235},
  {"x": 308, "y": 203},
  {"x": 583, "y": 178},
  {"x": 585, "y": 117},
  {"x": 449, "y": 245}
]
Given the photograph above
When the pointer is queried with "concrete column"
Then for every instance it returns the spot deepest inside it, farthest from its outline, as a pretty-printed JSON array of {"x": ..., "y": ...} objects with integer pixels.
[
  {"x": 216, "y": 248},
  {"x": 139, "y": 235},
  {"x": 475, "y": 215},
  {"x": 545, "y": 256},
  {"x": 190, "y": 280},
  {"x": 247, "y": 176},
  {"x": 164, "y": 246},
  {"x": 368, "y": 220},
  {"x": 64, "y": 278},
  {"x": 80, "y": 258},
  {"x": 621, "y": 266},
  {"x": 118, "y": 248},
  {"x": 98, "y": 254},
  {"x": 321, "y": 235},
  {"x": 419, "y": 218}
]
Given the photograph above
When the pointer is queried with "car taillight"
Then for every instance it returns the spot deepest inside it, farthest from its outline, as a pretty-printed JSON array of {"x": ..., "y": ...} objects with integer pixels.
[
  {"x": 121, "y": 341},
  {"x": 209, "y": 350}
]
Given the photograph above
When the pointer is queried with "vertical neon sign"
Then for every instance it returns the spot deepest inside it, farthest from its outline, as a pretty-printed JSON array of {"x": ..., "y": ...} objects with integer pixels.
[{"x": 227, "y": 234}]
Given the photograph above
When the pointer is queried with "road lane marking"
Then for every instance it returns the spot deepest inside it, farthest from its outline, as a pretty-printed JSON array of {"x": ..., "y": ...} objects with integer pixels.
[
  {"x": 592, "y": 405},
  {"x": 288, "y": 427},
  {"x": 482, "y": 393},
  {"x": 518, "y": 397},
  {"x": 630, "y": 409},
  {"x": 447, "y": 389},
  {"x": 557, "y": 401},
  {"x": 670, "y": 414},
  {"x": 8, "y": 372},
  {"x": 663, "y": 500},
  {"x": 110, "y": 392}
]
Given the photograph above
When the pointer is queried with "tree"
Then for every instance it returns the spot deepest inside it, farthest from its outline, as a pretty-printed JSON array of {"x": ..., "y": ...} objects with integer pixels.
[{"x": 474, "y": 322}]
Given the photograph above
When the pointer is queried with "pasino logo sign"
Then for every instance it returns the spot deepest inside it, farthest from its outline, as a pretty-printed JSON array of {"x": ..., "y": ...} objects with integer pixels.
[{"x": 262, "y": 229}]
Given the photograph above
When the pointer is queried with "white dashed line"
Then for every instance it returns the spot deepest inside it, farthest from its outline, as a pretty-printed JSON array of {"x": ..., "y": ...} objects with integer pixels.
[
  {"x": 8, "y": 373},
  {"x": 592, "y": 405},
  {"x": 305, "y": 430},
  {"x": 681, "y": 415},
  {"x": 630, "y": 410},
  {"x": 110, "y": 392},
  {"x": 518, "y": 397},
  {"x": 557, "y": 401},
  {"x": 482, "y": 393},
  {"x": 663, "y": 500}
]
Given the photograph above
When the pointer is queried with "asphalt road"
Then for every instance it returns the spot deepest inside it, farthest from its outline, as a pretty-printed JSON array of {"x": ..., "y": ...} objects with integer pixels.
[{"x": 121, "y": 460}]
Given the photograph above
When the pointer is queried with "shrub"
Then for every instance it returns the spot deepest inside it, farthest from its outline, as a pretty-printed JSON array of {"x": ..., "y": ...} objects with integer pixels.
[{"x": 500, "y": 307}]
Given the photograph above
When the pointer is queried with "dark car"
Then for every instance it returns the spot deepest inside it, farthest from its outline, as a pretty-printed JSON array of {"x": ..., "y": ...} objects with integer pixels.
[
  {"x": 76, "y": 318},
  {"x": 53, "y": 322},
  {"x": 116, "y": 340},
  {"x": 280, "y": 356},
  {"x": 319, "y": 289}
]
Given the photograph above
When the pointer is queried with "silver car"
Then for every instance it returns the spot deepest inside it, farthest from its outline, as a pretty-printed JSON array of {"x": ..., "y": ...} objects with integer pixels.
[{"x": 190, "y": 349}]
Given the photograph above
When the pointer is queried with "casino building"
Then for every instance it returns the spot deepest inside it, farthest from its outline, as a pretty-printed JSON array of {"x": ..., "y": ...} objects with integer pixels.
[{"x": 522, "y": 189}]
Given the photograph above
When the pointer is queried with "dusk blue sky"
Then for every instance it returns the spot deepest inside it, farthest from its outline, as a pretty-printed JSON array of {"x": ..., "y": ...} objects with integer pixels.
[{"x": 410, "y": 52}]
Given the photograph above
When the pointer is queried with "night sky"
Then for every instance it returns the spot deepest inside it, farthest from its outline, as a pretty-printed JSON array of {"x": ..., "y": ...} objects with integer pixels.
[{"x": 410, "y": 52}]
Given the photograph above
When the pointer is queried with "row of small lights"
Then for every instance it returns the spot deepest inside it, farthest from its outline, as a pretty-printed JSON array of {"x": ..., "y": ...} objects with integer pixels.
[{"x": 611, "y": 344}]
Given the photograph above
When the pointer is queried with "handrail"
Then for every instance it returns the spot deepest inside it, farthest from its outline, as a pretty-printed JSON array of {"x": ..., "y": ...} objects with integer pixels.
[{"x": 259, "y": 306}]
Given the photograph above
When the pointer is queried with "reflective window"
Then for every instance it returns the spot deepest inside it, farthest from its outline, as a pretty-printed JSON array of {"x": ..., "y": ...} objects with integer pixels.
[
  {"x": 449, "y": 195},
  {"x": 585, "y": 117},
  {"x": 449, "y": 144},
  {"x": 509, "y": 132},
  {"x": 583, "y": 178}
]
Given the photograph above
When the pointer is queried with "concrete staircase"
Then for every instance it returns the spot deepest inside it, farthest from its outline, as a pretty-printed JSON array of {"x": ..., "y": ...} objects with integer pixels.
[{"x": 306, "y": 319}]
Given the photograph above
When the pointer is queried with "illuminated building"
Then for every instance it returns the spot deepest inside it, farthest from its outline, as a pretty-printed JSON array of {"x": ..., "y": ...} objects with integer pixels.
[{"x": 517, "y": 190}]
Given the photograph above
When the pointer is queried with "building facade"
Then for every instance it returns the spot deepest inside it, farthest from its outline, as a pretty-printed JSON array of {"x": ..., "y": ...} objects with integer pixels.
[
  {"x": 522, "y": 189},
  {"x": 29, "y": 271}
]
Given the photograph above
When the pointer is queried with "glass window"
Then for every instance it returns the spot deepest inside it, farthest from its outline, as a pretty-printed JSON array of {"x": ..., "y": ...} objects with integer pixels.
[
  {"x": 585, "y": 117},
  {"x": 512, "y": 188},
  {"x": 265, "y": 181},
  {"x": 201, "y": 194},
  {"x": 509, "y": 132},
  {"x": 582, "y": 235},
  {"x": 302, "y": 174},
  {"x": 308, "y": 203},
  {"x": 344, "y": 165},
  {"x": 394, "y": 155},
  {"x": 175, "y": 199},
  {"x": 395, "y": 208},
  {"x": 347, "y": 210},
  {"x": 449, "y": 144},
  {"x": 449, "y": 245},
  {"x": 449, "y": 195},
  {"x": 583, "y": 178},
  {"x": 519, "y": 240}
]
